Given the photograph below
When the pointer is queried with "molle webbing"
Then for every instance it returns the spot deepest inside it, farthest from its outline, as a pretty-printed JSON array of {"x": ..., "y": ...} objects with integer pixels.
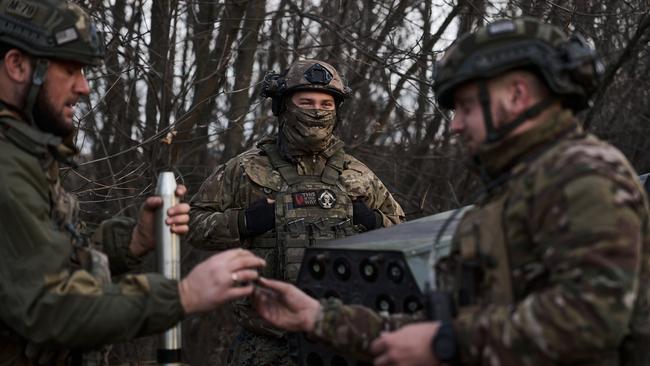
[
  {"x": 331, "y": 172},
  {"x": 286, "y": 169},
  {"x": 333, "y": 168}
]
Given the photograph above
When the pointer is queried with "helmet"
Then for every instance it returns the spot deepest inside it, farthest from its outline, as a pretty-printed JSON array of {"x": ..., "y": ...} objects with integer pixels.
[
  {"x": 568, "y": 65},
  {"x": 51, "y": 29},
  {"x": 303, "y": 75}
]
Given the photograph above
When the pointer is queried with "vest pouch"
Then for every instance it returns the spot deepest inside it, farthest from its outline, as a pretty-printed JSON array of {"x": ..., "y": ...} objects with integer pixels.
[
  {"x": 485, "y": 263},
  {"x": 270, "y": 255},
  {"x": 294, "y": 258}
]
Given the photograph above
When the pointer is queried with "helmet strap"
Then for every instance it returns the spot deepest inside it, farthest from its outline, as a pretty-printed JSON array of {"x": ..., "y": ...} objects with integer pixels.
[
  {"x": 494, "y": 134},
  {"x": 38, "y": 78},
  {"x": 484, "y": 99}
]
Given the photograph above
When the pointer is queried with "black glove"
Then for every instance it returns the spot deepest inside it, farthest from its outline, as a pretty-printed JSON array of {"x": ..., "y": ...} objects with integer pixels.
[
  {"x": 260, "y": 217},
  {"x": 364, "y": 215}
]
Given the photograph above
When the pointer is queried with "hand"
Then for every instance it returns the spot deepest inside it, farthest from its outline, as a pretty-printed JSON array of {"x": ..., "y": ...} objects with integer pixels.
[
  {"x": 260, "y": 217},
  {"x": 143, "y": 238},
  {"x": 285, "y": 306},
  {"x": 407, "y": 346},
  {"x": 363, "y": 215},
  {"x": 223, "y": 277}
]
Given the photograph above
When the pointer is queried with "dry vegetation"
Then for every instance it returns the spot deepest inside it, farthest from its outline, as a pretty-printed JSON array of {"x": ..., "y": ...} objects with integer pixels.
[{"x": 180, "y": 84}]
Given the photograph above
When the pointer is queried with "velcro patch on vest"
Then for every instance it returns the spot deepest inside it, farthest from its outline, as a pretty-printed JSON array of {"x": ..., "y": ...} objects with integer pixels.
[{"x": 323, "y": 198}]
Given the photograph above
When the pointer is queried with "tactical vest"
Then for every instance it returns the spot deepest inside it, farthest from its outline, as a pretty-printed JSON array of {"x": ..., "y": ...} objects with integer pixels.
[
  {"x": 64, "y": 210},
  {"x": 308, "y": 210}
]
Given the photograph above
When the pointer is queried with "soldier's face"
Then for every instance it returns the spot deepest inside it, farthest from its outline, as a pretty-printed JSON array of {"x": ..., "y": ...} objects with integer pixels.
[
  {"x": 468, "y": 122},
  {"x": 313, "y": 100},
  {"x": 64, "y": 84}
]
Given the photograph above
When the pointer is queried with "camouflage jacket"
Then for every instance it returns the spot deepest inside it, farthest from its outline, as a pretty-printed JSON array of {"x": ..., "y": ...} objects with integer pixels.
[
  {"x": 555, "y": 252},
  {"x": 54, "y": 294},
  {"x": 214, "y": 217}
]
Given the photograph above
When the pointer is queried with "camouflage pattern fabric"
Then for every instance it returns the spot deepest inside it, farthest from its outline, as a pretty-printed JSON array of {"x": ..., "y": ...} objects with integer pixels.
[
  {"x": 558, "y": 254},
  {"x": 51, "y": 29},
  {"x": 352, "y": 328},
  {"x": 250, "y": 349},
  {"x": 249, "y": 177},
  {"x": 54, "y": 294},
  {"x": 214, "y": 219}
]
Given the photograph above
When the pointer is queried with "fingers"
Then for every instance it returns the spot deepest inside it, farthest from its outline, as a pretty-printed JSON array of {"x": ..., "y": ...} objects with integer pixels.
[
  {"x": 277, "y": 286},
  {"x": 179, "y": 218},
  {"x": 237, "y": 292},
  {"x": 379, "y": 346},
  {"x": 247, "y": 262},
  {"x": 152, "y": 203},
  {"x": 180, "y": 191},
  {"x": 379, "y": 349},
  {"x": 383, "y": 360},
  {"x": 246, "y": 275},
  {"x": 178, "y": 210},
  {"x": 231, "y": 254}
]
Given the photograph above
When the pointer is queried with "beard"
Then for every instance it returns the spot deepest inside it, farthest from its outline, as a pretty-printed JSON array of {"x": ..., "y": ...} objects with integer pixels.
[{"x": 48, "y": 119}]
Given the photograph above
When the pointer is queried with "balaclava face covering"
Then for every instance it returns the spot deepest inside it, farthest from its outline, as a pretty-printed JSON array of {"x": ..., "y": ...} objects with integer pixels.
[{"x": 307, "y": 131}]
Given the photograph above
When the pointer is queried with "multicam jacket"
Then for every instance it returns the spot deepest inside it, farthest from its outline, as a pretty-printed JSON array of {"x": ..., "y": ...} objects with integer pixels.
[
  {"x": 55, "y": 291},
  {"x": 551, "y": 265},
  {"x": 214, "y": 218},
  {"x": 262, "y": 173}
]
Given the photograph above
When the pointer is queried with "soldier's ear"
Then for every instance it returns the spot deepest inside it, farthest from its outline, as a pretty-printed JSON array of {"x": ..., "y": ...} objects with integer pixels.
[{"x": 18, "y": 66}]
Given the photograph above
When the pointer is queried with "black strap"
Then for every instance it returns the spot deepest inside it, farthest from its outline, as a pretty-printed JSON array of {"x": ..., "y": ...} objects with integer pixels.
[
  {"x": 484, "y": 99},
  {"x": 525, "y": 115},
  {"x": 27, "y": 138},
  {"x": 495, "y": 134},
  {"x": 38, "y": 78}
]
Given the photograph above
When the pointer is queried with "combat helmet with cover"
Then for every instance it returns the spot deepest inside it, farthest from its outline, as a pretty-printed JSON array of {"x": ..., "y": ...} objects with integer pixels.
[
  {"x": 304, "y": 75},
  {"x": 568, "y": 65},
  {"x": 49, "y": 29}
]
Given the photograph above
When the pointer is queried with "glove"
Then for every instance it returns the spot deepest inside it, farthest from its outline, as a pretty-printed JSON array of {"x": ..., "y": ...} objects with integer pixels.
[
  {"x": 259, "y": 217},
  {"x": 364, "y": 215}
]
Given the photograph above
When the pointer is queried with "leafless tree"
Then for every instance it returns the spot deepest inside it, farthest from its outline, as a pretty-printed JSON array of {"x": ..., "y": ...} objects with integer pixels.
[{"x": 179, "y": 90}]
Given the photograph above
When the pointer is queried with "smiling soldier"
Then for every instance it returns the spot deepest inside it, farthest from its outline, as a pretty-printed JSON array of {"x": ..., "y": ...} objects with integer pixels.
[{"x": 290, "y": 191}]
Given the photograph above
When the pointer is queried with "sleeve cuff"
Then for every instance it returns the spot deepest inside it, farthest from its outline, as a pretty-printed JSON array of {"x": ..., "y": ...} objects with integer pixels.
[
  {"x": 165, "y": 307},
  {"x": 238, "y": 216},
  {"x": 379, "y": 219},
  {"x": 326, "y": 318},
  {"x": 114, "y": 236}
]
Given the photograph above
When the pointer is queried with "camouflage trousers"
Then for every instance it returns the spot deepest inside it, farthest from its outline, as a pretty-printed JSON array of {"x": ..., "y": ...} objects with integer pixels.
[{"x": 251, "y": 349}]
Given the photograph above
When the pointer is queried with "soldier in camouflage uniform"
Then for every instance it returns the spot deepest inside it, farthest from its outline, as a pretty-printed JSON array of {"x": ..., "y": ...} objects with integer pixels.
[
  {"x": 57, "y": 301},
  {"x": 550, "y": 267},
  {"x": 289, "y": 192}
]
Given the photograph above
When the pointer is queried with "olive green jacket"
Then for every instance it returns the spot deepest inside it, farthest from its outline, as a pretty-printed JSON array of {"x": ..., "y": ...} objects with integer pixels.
[{"x": 48, "y": 296}]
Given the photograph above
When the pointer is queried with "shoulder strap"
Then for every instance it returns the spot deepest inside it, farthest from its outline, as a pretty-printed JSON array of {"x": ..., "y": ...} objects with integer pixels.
[
  {"x": 25, "y": 137},
  {"x": 287, "y": 170},
  {"x": 333, "y": 168}
]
